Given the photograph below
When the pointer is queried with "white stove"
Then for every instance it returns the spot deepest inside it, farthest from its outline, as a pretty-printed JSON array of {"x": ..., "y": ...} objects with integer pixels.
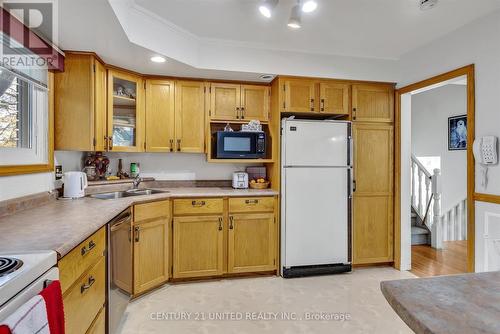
[{"x": 23, "y": 275}]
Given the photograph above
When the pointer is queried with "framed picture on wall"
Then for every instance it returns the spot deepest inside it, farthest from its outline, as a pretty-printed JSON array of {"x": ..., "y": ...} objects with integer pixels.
[{"x": 457, "y": 133}]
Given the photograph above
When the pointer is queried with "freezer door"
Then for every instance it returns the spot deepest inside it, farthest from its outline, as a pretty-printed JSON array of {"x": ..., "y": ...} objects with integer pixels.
[
  {"x": 315, "y": 143},
  {"x": 315, "y": 209}
]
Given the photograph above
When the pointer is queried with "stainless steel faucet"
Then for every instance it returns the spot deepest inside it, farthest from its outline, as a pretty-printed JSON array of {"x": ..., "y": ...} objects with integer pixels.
[{"x": 137, "y": 181}]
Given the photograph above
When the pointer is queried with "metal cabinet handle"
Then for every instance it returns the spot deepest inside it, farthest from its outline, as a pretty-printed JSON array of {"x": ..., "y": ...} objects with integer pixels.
[
  {"x": 252, "y": 201},
  {"x": 136, "y": 232},
  {"x": 220, "y": 223},
  {"x": 312, "y": 104},
  {"x": 231, "y": 222},
  {"x": 322, "y": 105},
  {"x": 171, "y": 145},
  {"x": 110, "y": 139},
  {"x": 106, "y": 145},
  {"x": 237, "y": 112},
  {"x": 87, "y": 286},
  {"x": 86, "y": 249},
  {"x": 242, "y": 112},
  {"x": 178, "y": 145},
  {"x": 353, "y": 113},
  {"x": 198, "y": 203}
]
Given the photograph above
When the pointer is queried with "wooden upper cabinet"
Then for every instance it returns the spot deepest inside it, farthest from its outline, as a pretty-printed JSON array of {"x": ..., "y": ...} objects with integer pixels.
[
  {"x": 300, "y": 95},
  {"x": 372, "y": 103},
  {"x": 225, "y": 101},
  {"x": 80, "y": 104},
  {"x": 334, "y": 98},
  {"x": 251, "y": 242},
  {"x": 198, "y": 246},
  {"x": 125, "y": 112},
  {"x": 160, "y": 125},
  {"x": 255, "y": 102},
  {"x": 190, "y": 116}
]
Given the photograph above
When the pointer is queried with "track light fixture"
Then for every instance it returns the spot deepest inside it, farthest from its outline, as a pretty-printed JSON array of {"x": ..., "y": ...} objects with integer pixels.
[
  {"x": 295, "y": 17},
  {"x": 267, "y": 6}
]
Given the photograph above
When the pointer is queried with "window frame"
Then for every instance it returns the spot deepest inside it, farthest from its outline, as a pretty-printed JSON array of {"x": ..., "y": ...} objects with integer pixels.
[{"x": 6, "y": 170}]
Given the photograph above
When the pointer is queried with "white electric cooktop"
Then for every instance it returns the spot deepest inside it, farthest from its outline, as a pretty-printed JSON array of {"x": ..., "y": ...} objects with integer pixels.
[{"x": 18, "y": 270}]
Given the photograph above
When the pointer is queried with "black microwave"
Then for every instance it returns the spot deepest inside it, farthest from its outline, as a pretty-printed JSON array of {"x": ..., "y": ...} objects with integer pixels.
[{"x": 240, "y": 145}]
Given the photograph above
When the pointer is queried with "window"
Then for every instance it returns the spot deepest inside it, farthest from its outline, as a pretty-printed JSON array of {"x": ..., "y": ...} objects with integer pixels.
[{"x": 23, "y": 120}]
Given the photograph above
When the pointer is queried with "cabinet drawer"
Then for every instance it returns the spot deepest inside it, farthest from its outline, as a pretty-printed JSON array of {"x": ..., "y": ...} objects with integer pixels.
[
  {"x": 151, "y": 210},
  {"x": 84, "y": 300},
  {"x": 99, "y": 324},
  {"x": 81, "y": 258},
  {"x": 198, "y": 206},
  {"x": 251, "y": 204}
]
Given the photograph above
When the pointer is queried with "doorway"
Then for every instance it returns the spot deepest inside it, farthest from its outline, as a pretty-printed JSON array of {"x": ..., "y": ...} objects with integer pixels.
[{"x": 443, "y": 238}]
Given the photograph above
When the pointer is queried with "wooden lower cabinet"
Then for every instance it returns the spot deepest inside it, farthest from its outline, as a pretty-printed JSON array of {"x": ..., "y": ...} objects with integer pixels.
[
  {"x": 85, "y": 298},
  {"x": 251, "y": 242},
  {"x": 197, "y": 246},
  {"x": 150, "y": 254},
  {"x": 373, "y": 229},
  {"x": 99, "y": 324}
]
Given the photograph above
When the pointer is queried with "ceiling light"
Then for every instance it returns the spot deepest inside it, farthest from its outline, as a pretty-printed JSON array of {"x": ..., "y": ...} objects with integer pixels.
[
  {"x": 427, "y": 4},
  {"x": 267, "y": 77},
  {"x": 158, "y": 59},
  {"x": 309, "y": 6},
  {"x": 294, "y": 21},
  {"x": 267, "y": 6}
]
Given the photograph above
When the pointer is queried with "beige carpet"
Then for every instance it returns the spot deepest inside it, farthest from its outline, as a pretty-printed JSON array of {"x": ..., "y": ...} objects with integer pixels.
[{"x": 348, "y": 303}]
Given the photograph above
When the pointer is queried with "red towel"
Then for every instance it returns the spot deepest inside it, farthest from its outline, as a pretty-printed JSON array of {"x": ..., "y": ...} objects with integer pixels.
[
  {"x": 4, "y": 329},
  {"x": 55, "y": 310}
]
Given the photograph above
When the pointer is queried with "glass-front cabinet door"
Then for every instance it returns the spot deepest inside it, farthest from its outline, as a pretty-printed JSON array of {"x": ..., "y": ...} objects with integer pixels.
[{"x": 125, "y": 112}]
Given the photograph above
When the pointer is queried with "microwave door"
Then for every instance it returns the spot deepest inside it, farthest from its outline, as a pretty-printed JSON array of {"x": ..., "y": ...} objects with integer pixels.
[{"x": 236, "y": 145}]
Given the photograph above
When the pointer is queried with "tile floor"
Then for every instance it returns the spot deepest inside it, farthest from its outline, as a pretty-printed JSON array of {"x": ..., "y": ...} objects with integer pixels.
[{"x": 261, "y": 305}]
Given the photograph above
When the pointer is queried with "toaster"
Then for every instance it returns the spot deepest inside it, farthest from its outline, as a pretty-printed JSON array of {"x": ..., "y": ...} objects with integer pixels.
[{"x": 240, "y": 180}]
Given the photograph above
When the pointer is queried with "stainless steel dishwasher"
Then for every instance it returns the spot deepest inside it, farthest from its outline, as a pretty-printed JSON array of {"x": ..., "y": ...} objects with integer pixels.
[{"x": 119, "y": 269}]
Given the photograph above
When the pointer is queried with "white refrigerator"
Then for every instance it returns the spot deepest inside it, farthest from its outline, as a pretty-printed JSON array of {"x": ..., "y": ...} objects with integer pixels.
[{"x": 316, "y": 201}]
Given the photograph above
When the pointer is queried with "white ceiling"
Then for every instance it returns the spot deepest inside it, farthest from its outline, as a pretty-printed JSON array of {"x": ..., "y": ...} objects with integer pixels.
[
  {"x": 229, "y": 39},
  {"x": 361, "y": 28}
]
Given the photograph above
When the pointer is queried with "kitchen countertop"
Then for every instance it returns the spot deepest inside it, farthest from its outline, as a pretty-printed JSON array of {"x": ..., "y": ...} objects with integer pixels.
[
  {"x": 455, "y": 304},
  {"x": 62, "y": 224}
]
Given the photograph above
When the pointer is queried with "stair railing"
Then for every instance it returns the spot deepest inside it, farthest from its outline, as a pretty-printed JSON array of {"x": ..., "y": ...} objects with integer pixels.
[{"x": 420, "y": 196}]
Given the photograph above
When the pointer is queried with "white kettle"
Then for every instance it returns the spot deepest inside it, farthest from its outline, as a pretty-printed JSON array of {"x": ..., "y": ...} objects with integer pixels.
[{"x": 74, "y": 184}]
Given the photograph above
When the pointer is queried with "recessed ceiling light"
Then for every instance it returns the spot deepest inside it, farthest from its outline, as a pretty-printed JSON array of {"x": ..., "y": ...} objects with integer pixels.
[
  {"x": 158, "y": 59},
  {"x": 294, "y": 21},
  {"x": 267, "y": 6},
  {"x": 309, "y": 6},
  {"x": 427, "y": 4},
  {"x": 266, "y": 76}
]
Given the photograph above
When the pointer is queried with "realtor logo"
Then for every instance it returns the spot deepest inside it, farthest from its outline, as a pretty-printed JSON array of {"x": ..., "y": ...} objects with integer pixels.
[{"x": 28, "y": 32}]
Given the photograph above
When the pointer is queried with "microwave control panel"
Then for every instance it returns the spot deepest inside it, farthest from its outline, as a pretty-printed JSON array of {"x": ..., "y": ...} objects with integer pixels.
[{"x": 261, "y": 143}]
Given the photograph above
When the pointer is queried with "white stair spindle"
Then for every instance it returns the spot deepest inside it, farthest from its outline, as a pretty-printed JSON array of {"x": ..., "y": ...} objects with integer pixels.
[
  {"x": 413, "y": 184},
  {"x": 420, "y": 191},
  {"x": 459, "y": 233}
]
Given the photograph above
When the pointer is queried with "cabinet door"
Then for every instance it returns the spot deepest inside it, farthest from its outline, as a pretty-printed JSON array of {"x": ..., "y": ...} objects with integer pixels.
[
  {"x": 334, "y": 98},
  {"x": 299, "y": 95},
  {"x": 74, "y": 104},
  {"x": 373, "y": 199},
  {"x": 251, "y": 243},
  {"x": 372, "y": 103},
  {"x": 100, "y": 115},
  {"x": 198, "y": 246},
  {"x": 125, "y": 112},
  {"x": 255, "y": 102},
  {"x": 190, "y": 116},
  {"x": 150, "y": 254},
  {"x": 225, "y": 101},
  {"x": 160, "y": 116}
]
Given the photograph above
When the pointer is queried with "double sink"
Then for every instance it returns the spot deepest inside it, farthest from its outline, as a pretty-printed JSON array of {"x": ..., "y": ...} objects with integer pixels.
[{"x": 128, "y": 193}]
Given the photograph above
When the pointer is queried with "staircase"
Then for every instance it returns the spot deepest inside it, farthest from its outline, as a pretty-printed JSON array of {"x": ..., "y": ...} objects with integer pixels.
[
  {"x": 428, "y": 225},
  {"x": 420, "y": 234}
]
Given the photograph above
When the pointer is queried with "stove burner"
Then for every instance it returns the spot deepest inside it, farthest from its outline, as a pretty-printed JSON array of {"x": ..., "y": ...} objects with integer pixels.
[{"x": 8, "y": 265}]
